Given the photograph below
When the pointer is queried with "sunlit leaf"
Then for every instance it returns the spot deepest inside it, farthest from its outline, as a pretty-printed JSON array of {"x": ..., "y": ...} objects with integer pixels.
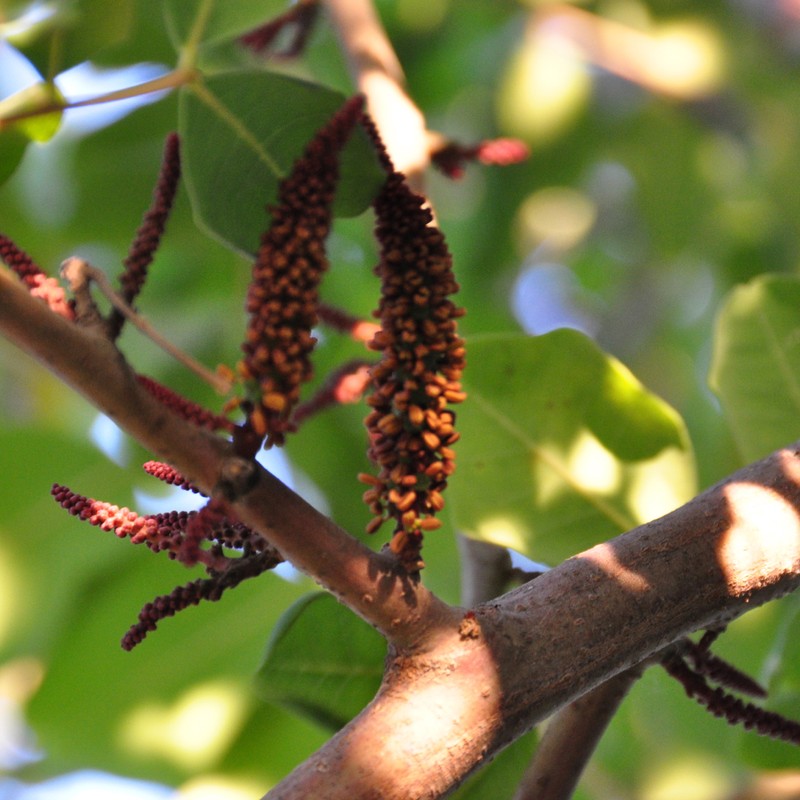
[
  {"x": 322, "y": 661},
  {"x": 561, "y": 446},
  {"x": 34, "y": 112},
  {"x": 241, "y": 133},
  {"x": 182, "y": 671},
  {"x": 755, "y": 369}
]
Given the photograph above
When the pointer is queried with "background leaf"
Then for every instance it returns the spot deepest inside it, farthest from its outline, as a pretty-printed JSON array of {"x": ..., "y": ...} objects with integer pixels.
[
  {"x": 72, "y": 31},
  {"x": 322, "y": 661},
  {"x": 561, "y": 447},
  {"x": 241, "y": 133},
  {"x": 755, "y": 370},
  {"x": 224, "y": 20}
]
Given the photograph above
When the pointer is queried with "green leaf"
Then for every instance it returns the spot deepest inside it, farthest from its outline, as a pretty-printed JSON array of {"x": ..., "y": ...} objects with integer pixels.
[
  {"x": 38, "y": 108},
  {"x": 561, "y": 447},
  {"x": 12, "y": 149},
  {"x": 213, "y": 21},
  {"x": 241, "y": 133},
  {"x": 755, "y": 368},
  {"x": 196, "y": 665},
  {"x": 322, "y": 661},
  {"x": 73, "y": 31}
]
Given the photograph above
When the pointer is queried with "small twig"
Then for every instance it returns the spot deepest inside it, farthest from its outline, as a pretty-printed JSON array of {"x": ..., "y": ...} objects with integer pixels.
[
  {"x": 379, "y": 76},
  {"x": 170, "y": 80},
  {"x": 571, "y": 737},
  {"x": 78, "y": 272}
]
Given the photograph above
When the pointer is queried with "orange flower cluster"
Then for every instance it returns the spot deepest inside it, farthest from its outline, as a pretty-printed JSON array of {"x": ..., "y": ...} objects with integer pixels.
[
  {"x": 32, "y": 275},
  {"x": 411, "y": 427},
  {"x": 283, "y": 295}
]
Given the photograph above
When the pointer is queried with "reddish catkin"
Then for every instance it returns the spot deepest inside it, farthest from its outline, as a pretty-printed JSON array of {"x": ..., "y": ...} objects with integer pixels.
[
  {"x": 39, "y": 284},
  {"x": 411, "y": 428},
  {"x": 282, "y": 298},
  {"x": 148, "y": 236},
  {"x": 452, "y": 157},
  {"x": 192, "y": 593},
  {"x": 185, "y": 408},
  {"x": 734, "y": 710},
  {"x": 168, "y": 474}
]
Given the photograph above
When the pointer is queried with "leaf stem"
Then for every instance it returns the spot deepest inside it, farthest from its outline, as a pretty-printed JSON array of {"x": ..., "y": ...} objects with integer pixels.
[
  {"x": 74, "y": 266},
  {"x": 188, "y": 56},
  {"x": 170, "y": 80}
]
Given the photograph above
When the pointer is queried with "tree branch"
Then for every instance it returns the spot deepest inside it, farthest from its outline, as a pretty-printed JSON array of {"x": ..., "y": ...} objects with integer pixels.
[
  {"x": 459, "y": 687},
  {"x": 571, "y": 737},
  {"x": 379, "y": 77},
  {"x": 403, "y": 610},
  {"x": 441, "y": 714}
]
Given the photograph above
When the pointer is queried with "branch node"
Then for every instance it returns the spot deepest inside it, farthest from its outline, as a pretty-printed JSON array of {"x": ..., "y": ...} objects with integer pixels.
[{"x": 237, "y": 477}]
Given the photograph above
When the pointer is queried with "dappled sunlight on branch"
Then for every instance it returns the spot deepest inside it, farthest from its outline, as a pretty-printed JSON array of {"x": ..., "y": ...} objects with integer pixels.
[
  {"x": 603, "y": 556},
  {"x": 765, "y": 529}
]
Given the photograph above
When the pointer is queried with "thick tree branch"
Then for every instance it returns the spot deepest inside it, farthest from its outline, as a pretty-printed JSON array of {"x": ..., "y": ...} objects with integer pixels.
[
  {"x": 461, "y": 686},
  {"x": 365, "y": 581},
  {"x": 523, "y": 656}
]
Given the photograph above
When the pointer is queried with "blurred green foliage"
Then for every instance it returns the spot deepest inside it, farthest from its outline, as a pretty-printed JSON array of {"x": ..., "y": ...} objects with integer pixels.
[{"x": 662, "y": 176}]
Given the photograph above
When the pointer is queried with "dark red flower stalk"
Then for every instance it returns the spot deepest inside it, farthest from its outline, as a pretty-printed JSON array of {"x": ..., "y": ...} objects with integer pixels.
[
  {"x": 192, "y": 593},
  {"x": 282, "y": 298},
  {"x": 32, "y": 275},
  {"x": 452, "y": 157},
  {"x": 720, "y": 671},
  {"x": 185, "y": 408},
  {"x": 164, "y": 472},
  {"x": 200, "y": 528},
  {"x": 160, "y": 532},
  {"x": 410, "y": 426},
  {"x": 148, "y": 236},
  {"x": 734, "y": 710},
  {"x": 346, "y": 384},
  {"x": 298, "y": 20},
  {"x": 360, "y": 330}
]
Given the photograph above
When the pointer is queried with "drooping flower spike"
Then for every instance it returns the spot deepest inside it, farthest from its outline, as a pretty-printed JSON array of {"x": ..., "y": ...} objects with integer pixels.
[
  {"x": 411, "y": 428},
  {"x": 282, "y": 299}
]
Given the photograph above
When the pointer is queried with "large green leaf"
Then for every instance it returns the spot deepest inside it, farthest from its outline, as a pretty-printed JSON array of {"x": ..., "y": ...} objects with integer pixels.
[
  {"x": 216, "y": 20},
  {"x": 561, "y": 446},
  {"x": 241, "y": 133},
  {"x": 755, "y": 370},
  {"x": 322, "y": 661},
  {"x": 100, "y": 707}
]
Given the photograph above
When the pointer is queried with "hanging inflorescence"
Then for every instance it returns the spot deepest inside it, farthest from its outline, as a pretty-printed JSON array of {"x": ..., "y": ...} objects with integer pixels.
[
  {"x": 282, "y": 299},
  {"x": 411, "y": 427},
  {"x": 697, "y": 669}
]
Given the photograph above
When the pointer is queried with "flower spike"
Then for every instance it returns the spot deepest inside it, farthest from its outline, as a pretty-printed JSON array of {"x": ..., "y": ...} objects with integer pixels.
[
  {"x": 33, "y": 276},
  {"x": 185, "y": 408},
  {"x": 410, "y": 427},
  {"x": 283, "y": 295},
  {"x": 148, "y": 236}
]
